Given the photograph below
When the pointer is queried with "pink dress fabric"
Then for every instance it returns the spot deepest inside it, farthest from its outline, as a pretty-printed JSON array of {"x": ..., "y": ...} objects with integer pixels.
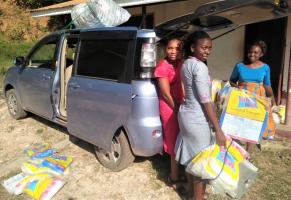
[{"x": 168, "y": 116}]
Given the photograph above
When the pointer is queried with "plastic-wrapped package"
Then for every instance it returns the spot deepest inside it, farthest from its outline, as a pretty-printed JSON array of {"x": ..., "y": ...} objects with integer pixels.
[
  {"x": 43, "y": 188},
  {"x": 55, "y": 165},
  {"x": 216, "y": 86},
  {"x": 279, "y": 114},
  {"x": 225, "y": 168},
  {"x": 98, "y": 14},
  {"x": 82, "y": 16},
  {"x": 13, "y": 184},
  {"x": 38, "y": 186},
  {"x": 245, "y": 115},
  {"x": 247, "y": 176},
  {"x": 38, "y": 151}
]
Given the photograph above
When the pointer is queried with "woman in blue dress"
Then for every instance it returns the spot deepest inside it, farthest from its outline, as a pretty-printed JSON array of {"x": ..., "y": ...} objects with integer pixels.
[{"x": 254, "y": 76}]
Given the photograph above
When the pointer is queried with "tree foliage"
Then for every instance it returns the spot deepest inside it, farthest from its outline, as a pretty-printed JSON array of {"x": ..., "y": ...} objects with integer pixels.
[{"x": 32, "y": 4}]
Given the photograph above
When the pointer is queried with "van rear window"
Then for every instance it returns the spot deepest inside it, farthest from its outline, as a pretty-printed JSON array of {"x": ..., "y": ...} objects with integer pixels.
[{"x": 105, "y": 59}]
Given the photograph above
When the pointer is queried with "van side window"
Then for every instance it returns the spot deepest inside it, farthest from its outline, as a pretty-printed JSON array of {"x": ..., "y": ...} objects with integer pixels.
[
  {"x": 43, "y": 57},
  {"x": 105, "y": 59}
]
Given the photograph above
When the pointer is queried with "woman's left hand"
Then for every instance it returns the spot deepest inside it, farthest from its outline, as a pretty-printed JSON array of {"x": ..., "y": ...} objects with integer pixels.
[{"x": 220, "y": 138}]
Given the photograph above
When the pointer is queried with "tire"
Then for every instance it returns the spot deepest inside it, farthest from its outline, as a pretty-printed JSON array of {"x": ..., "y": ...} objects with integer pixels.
[
  {"x": 120, "y": 155},
  {"x": 14, "y": 107}
]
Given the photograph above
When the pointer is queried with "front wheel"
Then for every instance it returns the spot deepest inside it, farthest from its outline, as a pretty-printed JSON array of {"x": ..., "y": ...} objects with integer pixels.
[
  {"x": 120, "y": 155},
  {"x": 14, "y": 107}
]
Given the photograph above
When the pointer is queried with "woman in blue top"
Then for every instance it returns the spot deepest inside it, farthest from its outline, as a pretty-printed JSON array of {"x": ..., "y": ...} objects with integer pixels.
[{"x": 254, "y": 76}]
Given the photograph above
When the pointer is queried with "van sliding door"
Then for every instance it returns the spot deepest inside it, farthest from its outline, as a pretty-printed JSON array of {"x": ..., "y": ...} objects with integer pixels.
[{"x": 99, "y": 92}]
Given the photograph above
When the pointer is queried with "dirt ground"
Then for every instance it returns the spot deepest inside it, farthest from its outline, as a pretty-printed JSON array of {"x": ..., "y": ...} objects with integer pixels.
[
  {"x": 87, "y": 178},
  {"x": 144, "y": 179}
]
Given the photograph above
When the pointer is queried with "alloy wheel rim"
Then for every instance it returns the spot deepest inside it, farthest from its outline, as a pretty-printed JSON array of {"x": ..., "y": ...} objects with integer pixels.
[
  {"x": 114, "y": 155},
  {"x": 12, "y": 104}
]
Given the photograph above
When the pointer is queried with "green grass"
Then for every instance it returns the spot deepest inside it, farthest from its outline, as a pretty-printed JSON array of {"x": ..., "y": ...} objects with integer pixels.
[{"x": 9, "y": 50}]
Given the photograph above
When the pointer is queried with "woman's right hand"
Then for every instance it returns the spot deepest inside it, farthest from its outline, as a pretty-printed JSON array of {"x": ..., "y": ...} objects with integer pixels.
[{"x": 220, "y": 138}]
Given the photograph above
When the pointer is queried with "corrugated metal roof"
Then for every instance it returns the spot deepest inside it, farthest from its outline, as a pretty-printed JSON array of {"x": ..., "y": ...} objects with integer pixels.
[{"x": 65, "y": 8}]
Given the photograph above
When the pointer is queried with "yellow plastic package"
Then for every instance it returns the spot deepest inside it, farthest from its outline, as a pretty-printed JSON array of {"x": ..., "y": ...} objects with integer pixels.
[
  {"x": 38, "y": 151},
  {"x": 245, "y": 115},
  {"x": 55, "y": 165},
  {"x": 13, "y": 184},
  {"x": 20, "y": 184},
  {"x": 225, "y": 168},
  {"x": 42, "y": 187},
  {"x": 279, "y": 114},
  {"x": 216, "y": 86}
]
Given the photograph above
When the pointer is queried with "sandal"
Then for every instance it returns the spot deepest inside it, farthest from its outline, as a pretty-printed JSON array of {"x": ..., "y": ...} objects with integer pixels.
[
  {"x": 177, "y": 185},
  {"x": 188, "y": 197},
  {"x": 183, "y": 179}
]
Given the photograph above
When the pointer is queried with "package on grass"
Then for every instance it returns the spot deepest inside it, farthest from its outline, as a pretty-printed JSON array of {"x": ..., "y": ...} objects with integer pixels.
[
  {"x": 13, "y": 184},
  {"x": 226, "y": 168},
  {"x": 38, "y": 151},
  {"x": 55, "y": 165},
  {"x": 98, "y": 14},
  {"x": 245, "y": 115},
  {"x": 43, "y": 188},
  {"x": 38, "y": 186}
]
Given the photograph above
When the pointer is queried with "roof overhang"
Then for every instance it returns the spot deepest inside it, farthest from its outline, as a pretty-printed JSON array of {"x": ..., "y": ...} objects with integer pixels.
[{"x": 66, "y": 7}]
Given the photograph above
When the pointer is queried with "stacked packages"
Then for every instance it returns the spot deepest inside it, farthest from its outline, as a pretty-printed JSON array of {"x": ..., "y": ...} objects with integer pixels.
[{"x": 40, "y": 176}]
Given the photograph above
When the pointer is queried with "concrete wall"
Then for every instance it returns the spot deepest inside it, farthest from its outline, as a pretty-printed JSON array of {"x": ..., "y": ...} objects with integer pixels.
[
  {"x": 226, "y": 52},
  {"x": 165, "y": 12}
]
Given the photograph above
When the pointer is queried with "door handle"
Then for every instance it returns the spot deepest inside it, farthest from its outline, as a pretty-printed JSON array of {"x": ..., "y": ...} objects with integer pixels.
[
  {"x": 133, "y": 96},
  {"x": 74, "y": 86},
  {"x": 45, "y": 77}
]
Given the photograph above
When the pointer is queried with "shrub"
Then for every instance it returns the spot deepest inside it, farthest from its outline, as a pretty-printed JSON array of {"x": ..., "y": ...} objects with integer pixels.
[
  {"x": 36, "y": 3},
  {"x": 16, "y": 33}
]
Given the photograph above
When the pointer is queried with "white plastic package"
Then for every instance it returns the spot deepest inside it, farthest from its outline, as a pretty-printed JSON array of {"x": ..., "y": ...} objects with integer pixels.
[
  {"x": 13, "y": 184},
  {"x": 226, "y": 169},
  {"x": 98, "y": 14}
]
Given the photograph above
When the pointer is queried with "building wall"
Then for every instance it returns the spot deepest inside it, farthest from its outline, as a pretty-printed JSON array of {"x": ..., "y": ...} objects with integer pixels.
[
  {"x": 165, "y": 12},
  {"x": 226, "y": 52}
]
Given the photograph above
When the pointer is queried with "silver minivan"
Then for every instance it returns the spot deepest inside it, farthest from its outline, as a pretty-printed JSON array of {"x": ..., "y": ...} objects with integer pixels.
[{"x": 99, "y": 82}]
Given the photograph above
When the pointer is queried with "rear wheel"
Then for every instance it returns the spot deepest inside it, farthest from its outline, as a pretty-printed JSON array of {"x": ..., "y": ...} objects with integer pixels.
[
  {"x": 14, "y": 107},
  {"x": 120, "y": 155}
]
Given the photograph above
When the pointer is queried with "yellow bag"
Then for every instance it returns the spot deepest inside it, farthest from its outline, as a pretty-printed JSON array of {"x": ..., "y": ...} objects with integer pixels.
[
  {"x": 38, "y": 151},
  {"x": 55, "y": 165},
  {"x": 222, "y": 168},
  {"x": 216, "y": 86},
  {"x": 245, "y": 115},
  {"x": 43, "y": 188}
]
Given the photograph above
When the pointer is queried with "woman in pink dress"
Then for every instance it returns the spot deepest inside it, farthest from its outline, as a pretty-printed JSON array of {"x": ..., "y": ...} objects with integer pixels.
[{"x": 170, "y": 96}]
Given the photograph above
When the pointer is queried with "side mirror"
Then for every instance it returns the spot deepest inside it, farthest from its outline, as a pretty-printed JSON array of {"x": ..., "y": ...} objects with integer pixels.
[{"x": 18, "y": 61}]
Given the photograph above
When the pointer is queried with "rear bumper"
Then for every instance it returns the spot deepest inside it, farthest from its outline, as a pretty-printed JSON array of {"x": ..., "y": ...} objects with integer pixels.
[{"x": 141, "y": 136}]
